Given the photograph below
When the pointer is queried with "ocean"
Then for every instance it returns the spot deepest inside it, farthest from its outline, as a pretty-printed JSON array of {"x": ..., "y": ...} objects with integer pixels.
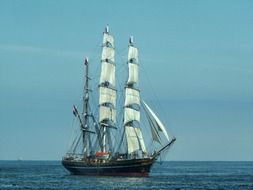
[{"x": 167, "y": 175}]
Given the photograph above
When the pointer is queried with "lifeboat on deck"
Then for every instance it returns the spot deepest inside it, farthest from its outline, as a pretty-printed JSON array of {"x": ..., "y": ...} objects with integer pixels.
[{"x": 102, "y": 155}]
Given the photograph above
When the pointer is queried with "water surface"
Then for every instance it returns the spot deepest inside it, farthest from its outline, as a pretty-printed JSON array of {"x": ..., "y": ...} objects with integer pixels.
[{"x": 168, "y": 175}]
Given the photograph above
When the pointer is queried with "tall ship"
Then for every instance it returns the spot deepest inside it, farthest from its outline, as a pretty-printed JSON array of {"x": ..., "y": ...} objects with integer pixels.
[{"x": 115, "y": 138}]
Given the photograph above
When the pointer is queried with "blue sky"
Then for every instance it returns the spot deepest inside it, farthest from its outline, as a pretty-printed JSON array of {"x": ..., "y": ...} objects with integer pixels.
[{"x": 196, "y": 55}]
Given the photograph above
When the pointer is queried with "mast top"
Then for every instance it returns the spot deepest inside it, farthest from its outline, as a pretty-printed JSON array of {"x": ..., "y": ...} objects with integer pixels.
[
  {"x": 131, "y": 40},
  {"x": 86, "y": 60},
  {"x": 107, "y": 29}
]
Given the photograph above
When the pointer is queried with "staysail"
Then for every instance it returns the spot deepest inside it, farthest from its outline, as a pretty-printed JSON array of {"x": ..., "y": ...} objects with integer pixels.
[
  {"x": 133, "y": 132},
  {"x": 155, "y": 124},
  {"x": 107, "y": 91}
]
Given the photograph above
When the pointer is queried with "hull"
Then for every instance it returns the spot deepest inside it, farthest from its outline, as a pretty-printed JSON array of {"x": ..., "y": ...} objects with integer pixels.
[{"x": 135, "y": 167}]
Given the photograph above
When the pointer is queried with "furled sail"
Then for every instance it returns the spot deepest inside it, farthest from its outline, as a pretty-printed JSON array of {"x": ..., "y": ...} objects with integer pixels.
[
  {"x": 133, "y": 133},
  {"x": 155, "y": 122}
]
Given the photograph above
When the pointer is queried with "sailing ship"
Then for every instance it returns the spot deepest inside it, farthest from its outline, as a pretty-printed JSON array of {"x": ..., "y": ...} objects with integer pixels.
[{"x": 112, "y": 142}]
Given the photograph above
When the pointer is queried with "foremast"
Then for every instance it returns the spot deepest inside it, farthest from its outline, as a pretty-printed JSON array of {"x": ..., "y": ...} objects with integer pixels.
[
  {"x": 84, "y": 117},
  {"x": 135, "y": 142},
  {"x": 107, "y": 90},
  {"x": 86, "y": 112}
]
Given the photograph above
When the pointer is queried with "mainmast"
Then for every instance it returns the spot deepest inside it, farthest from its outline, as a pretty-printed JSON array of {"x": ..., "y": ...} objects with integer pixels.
[
  {"x": 133, "y": 132},
  {"x": 107, "y": 89}
]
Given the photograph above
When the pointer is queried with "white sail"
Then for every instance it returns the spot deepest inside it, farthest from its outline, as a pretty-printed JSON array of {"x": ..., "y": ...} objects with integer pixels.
[
  {"x": 134, "y": 139},
  {"x": 108, "y": 59},
  {"x": 133, "y": 73},
  {"x": 108, "y": 38},
  {"x": 132, "y": 97},
  {"x": 107, "y": 73},
  {"x": 141, "y": 139},
  {"x": 131, "y": 115},
  {"x": 154, "y": 132},
  {"x": 156, "y": 121},
  {"x": 132, "y": 65},
  {"x": 134, "y": 136},
  {"x": 133, "y": 54},
  {"x": 107, "y": 113},
  {"x": 107, "y": 78},
  {"x": 108, "y": 53},
  {"x": 107, "y": 95}
]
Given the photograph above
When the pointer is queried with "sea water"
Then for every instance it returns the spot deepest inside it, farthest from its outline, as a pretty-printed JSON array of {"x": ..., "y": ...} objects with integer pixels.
[{"x": 168, "y": 175}]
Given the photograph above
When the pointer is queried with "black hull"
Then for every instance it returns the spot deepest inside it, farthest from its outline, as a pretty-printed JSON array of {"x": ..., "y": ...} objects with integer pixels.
[{"x": 135, "y": 167}]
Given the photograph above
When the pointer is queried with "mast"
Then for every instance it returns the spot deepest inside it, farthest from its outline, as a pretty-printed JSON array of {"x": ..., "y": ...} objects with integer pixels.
[
  {"x": 84, "y": 117},
  {"x": 107, "y": 90},
  {"x": 86, "y": 135},
  {"x": 86, "y": 91},
  {"x": 133, "y": 132}
]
